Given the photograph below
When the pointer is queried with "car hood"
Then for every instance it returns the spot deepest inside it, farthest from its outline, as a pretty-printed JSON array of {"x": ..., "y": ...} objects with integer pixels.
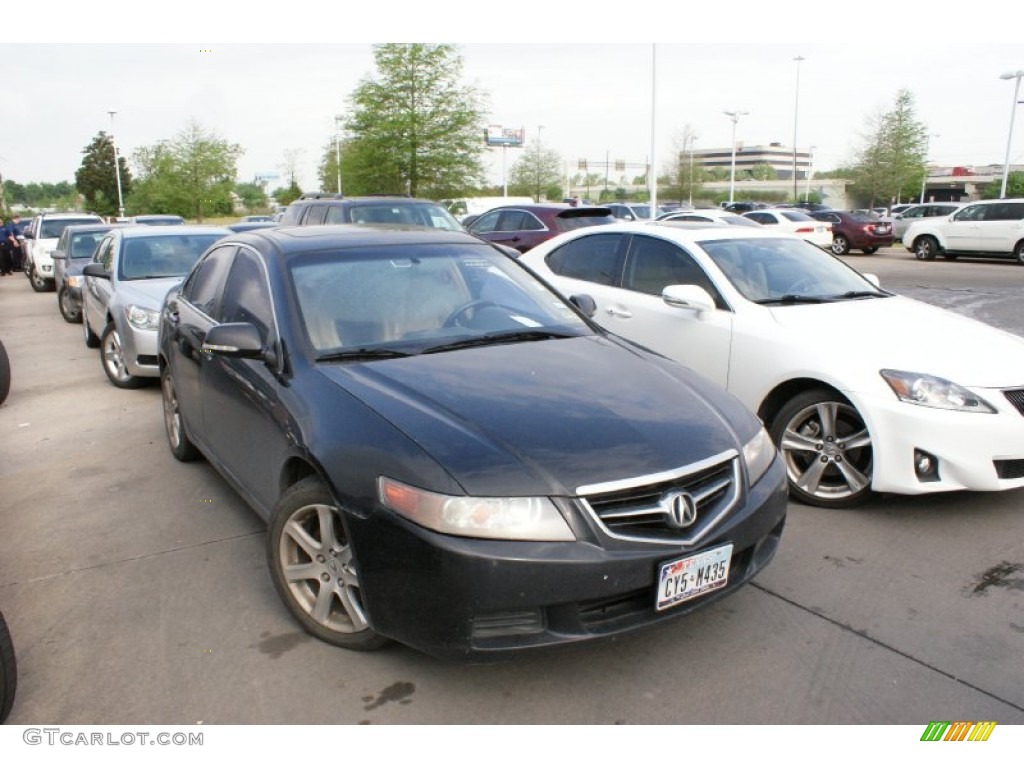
[
  {"x": 547, "y": 417},
  {"x": 147, "y": 293},
  {"x": 908, "y": 335}
]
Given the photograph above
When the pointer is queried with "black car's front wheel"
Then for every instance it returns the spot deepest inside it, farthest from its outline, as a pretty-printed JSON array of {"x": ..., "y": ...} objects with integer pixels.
[
  {"x": 314, "y": 568},
  {"x": 826, "y": 448}
]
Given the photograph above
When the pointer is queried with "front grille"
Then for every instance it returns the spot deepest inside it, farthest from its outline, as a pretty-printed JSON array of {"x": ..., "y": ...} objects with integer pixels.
[
  {"x": 644, "y": 512},
  {"x": 1016, "y": 398},
  {"x": 1009, "y": 469}
]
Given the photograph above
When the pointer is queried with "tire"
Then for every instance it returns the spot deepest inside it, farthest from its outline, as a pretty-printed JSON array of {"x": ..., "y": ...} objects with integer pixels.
[
  {"x": 840, "y": 245},
  {"x": 68, "y": 312},
  {"x": 5, "y": 374},
  {"x": 112, "y": 358},
  {"x": 825, "y": 448},
  {"x": 8, "y": 671},
  {"x": 1018, "y": 253},
  {"x": 926, "y": 248},
  {"x": 869, "y": 251},
  {"x": 92, "y": 341},
  {"x": 39, "y": 283},
  {"x": 321, "y": 588},
  {"x": 177, "y": 437}
]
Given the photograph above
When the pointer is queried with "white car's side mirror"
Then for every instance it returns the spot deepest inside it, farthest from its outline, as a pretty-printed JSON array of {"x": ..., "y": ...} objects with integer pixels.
[
  {"x": 872, "y": 278},
  {"x": 687, "y": 297}
]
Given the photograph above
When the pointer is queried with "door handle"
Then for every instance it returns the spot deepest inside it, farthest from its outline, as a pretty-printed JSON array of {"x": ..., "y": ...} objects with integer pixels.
[{"x": 625, "y": 315}]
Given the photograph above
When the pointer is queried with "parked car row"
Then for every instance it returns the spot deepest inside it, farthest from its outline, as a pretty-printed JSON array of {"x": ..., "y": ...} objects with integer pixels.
[{"x": 985, "y": 228}]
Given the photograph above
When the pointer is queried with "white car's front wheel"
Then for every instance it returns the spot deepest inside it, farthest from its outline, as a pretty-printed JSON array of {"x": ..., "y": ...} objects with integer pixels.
[{"x": 826, "y": 449}]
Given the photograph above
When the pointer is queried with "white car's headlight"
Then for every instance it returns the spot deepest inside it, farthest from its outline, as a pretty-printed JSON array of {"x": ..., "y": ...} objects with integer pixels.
[
  {"x": 522, "y": 519},
  {"x": 758, "y": 454},
  {"x": 934, "y": 392},
  {"x": 142, "y": 318}
]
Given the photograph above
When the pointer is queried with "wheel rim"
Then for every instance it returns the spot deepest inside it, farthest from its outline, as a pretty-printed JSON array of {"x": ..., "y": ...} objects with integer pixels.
[
  {"x": 113, "y": 357},
  {"x": 924, "y": 249},
  {"x": 318, "y": 568},
  {"x": 172, "y": 416},
  {"x": 37, "y": 281},
  {"x": 65, "y": 305},
  {"x": 838, "y": 244},
  {"x": 827, "y": 451}
]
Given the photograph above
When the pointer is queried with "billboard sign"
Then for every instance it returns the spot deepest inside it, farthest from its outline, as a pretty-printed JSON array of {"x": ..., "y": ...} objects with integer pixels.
[{"x": 497, "y": 136}]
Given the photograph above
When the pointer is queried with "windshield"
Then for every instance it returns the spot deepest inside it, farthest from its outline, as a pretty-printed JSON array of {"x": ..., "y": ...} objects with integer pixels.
[
  {"x": 145, "y": 258},
  {"x": 417, "y": 214},
  {"x": 54, "y": 228},
  {"x": 408, "y": 299},
  {"x": 777, "y": 269}
]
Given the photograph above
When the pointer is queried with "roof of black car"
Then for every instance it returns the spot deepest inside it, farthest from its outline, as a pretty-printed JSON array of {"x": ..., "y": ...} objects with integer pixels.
[{"x": 291, "y": 239}]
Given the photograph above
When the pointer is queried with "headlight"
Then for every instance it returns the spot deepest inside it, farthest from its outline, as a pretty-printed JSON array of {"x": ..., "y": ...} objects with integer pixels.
[
  {"x": 142, "y": 318},
  {"x": 522, "y": 519},
  {"x": 75, "y": 281},
  {"x": 758, "y": 454},
  {"x": 933, "y": 392}
]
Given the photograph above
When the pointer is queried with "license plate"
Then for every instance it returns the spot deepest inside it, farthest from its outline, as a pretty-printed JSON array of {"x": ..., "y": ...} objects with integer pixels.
[{"x": 691, "y": 576}]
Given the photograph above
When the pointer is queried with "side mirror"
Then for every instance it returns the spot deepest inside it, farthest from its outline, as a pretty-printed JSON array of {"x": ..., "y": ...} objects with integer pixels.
[
  {"x": 95, "y": 270},
  {"x": 585, "y": 303},
  {"x": 687, "y": 297},
  {"x": 28, "y": 235},
  {"x": 57, "y": 255},
  {"x": 233, "y": 340},
  {"x": 872, "y": 278}
]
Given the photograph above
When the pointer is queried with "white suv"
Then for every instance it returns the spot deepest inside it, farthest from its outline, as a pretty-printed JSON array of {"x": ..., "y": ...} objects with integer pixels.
[
  {"x": 41, "y": 238},
  {"x": 985, "y": 228}
]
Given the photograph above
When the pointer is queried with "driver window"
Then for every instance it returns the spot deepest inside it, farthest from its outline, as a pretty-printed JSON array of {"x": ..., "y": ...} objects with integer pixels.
[
  {"x": 654, "y": 264},
  {"x": 486, "y": 223}
]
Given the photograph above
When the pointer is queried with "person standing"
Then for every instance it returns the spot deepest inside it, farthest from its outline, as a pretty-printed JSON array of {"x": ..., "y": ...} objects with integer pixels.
[
  {"x": 6, "y": 257},
  {"x": 16, "y": 243}
]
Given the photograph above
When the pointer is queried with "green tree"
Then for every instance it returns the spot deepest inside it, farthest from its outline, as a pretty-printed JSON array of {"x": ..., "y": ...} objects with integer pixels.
[
  {"x": 537, "y": 172},
  {"x": 286, "y": 195},
  {"x": 1014, "y": 186},
  {"x": 252, "y": 196},
  {"x": 763, "y": 172},
  {"x": 191, "y": 174},
  {"x": 892, "y": 159},
  {"x": 414, "y": 127},
  {"x": 96, "y": 179}
]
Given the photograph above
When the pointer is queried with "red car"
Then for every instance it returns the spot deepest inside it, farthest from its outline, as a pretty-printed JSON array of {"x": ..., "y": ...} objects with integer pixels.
[
  {"x": 856, "y": 230},
  {"x": 524, "y": 226}
]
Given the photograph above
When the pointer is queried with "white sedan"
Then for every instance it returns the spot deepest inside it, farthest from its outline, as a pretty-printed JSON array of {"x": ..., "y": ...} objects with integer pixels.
[
  {"x": 794, "y": 222},
  {"x": 857, "y": 398}
]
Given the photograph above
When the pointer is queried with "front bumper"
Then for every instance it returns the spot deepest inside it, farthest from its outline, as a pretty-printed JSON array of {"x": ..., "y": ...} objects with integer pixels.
[
  {"x": 140, "y": 350},
  {"x": 975, "y": 451},
  {"x": 475, "y": 599}
]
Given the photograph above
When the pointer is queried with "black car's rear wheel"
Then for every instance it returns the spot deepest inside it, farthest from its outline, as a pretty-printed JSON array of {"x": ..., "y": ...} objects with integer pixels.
[
  {"x": 314, "y": 568},
  {"x": 8, "y": 671},
  {"x": 826, "y": 448}
]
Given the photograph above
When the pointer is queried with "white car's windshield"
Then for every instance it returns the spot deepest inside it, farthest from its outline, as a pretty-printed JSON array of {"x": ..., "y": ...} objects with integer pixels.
[{"x": 783, "y": 269}]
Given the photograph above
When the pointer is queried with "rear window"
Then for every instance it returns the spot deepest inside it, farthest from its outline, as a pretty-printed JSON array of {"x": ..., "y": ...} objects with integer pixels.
[
  {"x": 144, "y": 258},
  {"x": 797, "y": 216},
  {"x": 419, "y": 215},
  {"x": 54, "y": 228},
  {"x": 83, "y": 245},
  {"x": 576, "y": 219}
]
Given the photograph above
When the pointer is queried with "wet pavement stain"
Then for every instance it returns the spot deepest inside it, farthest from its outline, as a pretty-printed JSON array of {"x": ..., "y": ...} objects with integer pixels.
[
  {"x": 999, "y": 576},
  {"x": 276, "y": 646},
  {"x": 840, "y": 562},
  {"x": 399, "y": 692}
]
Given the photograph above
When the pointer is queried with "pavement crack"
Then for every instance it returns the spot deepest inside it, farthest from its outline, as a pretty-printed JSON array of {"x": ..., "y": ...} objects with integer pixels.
[
  {"x": 874, "y": 640},
  {"x": 136, "y": 558}
]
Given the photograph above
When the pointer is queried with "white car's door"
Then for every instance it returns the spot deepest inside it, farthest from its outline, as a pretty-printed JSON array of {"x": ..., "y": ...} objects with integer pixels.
[
  {"x": 964, "y": 229},
  {"x": 1002, "y": 227}
]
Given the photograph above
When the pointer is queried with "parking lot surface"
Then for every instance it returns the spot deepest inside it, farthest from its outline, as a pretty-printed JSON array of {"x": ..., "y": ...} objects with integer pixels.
[{"x": 137, "y": 590}]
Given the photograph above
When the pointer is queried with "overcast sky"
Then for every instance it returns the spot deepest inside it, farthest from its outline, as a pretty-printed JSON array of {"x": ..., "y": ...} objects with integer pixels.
[{"x": 274, "y": 83}]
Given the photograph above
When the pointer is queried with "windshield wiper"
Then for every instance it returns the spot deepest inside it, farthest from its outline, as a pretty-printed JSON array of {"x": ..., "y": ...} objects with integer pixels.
[
  {"x": 498, "y": 338},
  {"x": 362, "y": 353},
  {"x": 796, "y": 298},
  {"x": 862, "y": 295}
]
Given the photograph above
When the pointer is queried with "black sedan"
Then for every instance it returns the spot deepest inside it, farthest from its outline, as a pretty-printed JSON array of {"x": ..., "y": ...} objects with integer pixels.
[{"x": 451, "y": 455}]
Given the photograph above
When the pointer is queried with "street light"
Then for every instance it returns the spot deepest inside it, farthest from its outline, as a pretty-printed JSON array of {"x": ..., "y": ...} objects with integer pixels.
[
  {"x": 337, "y": 148},
  {"x": 539, "y": 129},
  {"x": 796, "y": 113},
  {"x": 924, "y": 179},
  {"x": 117, "y": 166},
  {"x": 1013, "y": 111},
  {"x": 735, "y": 117}
]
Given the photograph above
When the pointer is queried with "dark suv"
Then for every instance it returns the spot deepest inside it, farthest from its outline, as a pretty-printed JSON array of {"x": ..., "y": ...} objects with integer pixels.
[
  {"x": 862, "y": 231},
  {"x": 319, "y": 209}
]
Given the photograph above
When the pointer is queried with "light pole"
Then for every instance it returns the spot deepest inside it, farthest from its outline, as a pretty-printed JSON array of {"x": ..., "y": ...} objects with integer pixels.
[
  {"x": 117, "y": 166},
  {"x": 796, "y": 113},
  {"x": 1013, "y": 111},
  {"x": 539, "y": 129},
  {"x": 924, "y": 179},
  {"x": 735, "y": 117},
  {"x": 337, "y": 148}
]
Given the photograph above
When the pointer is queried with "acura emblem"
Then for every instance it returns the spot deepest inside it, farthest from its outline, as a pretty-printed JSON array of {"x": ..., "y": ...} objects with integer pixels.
[{"x": 682, "y": 510}]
